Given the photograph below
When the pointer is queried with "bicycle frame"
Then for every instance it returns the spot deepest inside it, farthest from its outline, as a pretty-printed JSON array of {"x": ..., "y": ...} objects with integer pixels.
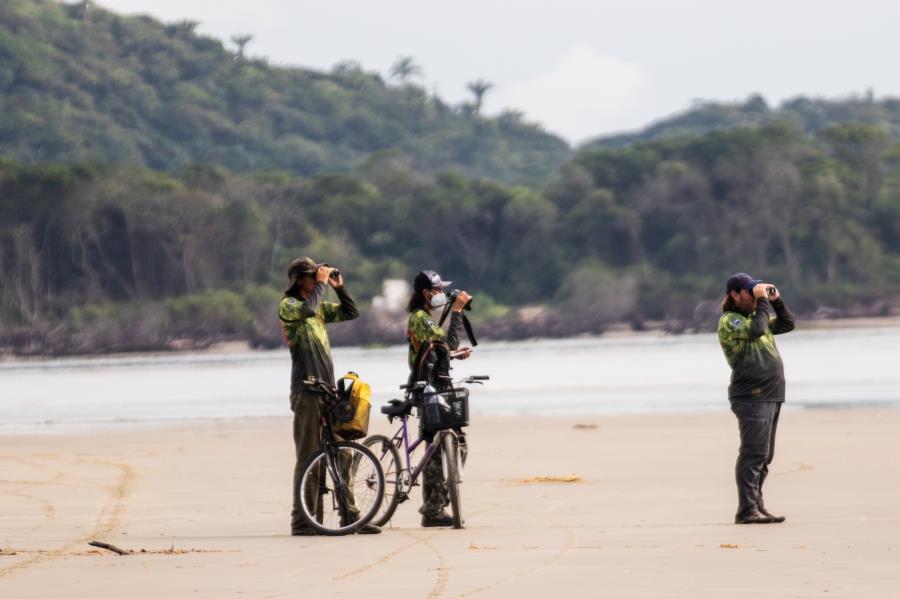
[
  {"x": 326, "y": 442},
  {"x": 401, "y": 438}
]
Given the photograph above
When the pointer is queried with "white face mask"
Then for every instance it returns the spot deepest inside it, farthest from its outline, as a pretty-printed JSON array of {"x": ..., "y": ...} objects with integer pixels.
[{"x": 438, "y": 300}]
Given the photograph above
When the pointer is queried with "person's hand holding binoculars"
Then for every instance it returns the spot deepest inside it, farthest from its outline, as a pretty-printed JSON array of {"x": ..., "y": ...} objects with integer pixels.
[
  {"x": 766, "y": 290},
  {"x": 462, "y": 299},
  {"x": 330, "y": 275}
]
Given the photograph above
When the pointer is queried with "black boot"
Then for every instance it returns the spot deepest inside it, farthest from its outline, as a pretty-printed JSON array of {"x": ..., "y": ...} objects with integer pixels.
[
  {"x": 439, "y": 519},
  {"x": 368, "y": 529},
  {"x": 754, "y": 517},
  {"x": 776, "y": 519}
]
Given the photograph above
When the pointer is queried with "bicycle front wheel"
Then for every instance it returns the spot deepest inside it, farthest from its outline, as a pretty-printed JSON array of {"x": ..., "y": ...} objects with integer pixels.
[
  {"x": 342, "y": 488},
  {"x": 449, "y": 456},
  {"x": 389, "y": 457}
]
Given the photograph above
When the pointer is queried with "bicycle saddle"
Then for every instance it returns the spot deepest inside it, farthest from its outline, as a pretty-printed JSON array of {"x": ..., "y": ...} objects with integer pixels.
[{"x": 397, "y": 407}]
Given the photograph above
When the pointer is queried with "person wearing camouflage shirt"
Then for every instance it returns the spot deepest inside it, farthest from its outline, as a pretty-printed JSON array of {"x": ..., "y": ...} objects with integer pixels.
[
  {"x": 303, "y": 315},
  {"x": 428, "y": 294},
  {"x": 753, "y": 313}
]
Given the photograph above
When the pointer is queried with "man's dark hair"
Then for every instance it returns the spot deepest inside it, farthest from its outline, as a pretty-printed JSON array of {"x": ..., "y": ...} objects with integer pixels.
[
  {"x": 728, "y": 303},
  {"x": 293, "y": 291}
]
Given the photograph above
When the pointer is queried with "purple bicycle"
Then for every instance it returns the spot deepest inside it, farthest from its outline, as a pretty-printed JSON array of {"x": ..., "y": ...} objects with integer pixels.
[{"x": 443, "y": 414}]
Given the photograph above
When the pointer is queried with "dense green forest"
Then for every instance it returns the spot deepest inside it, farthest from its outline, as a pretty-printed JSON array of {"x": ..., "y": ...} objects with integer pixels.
[
  {"x": 154, "y": 185},
  {"x": 79, "y": 83},
  {"x": 805, "y": 114},
  {"x": 99, "y": 257}
]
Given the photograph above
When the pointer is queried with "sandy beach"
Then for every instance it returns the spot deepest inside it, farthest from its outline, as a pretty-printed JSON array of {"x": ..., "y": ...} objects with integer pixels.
[{"x": 650, "y": 515}]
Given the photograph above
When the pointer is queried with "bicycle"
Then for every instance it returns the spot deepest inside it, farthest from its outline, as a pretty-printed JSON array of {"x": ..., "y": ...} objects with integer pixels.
[
  {"x": 453, "y": 407},
  {"x": 342, "y": 483}
]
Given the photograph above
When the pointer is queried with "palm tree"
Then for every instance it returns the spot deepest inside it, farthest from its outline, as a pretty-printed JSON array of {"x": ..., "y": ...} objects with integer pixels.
[
  {"x": 479, "y": 88},
  {"x": 241, "y": 41},
  {"x": 188, "y": 26},
  {"x": 80, "y": 9},
  {"x": 183, "y": 28},
  {"x": 404, "y": 68}
]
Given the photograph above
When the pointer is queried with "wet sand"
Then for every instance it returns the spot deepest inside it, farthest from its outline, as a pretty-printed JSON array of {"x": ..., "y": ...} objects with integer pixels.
[{"x": 650, "y": 515}]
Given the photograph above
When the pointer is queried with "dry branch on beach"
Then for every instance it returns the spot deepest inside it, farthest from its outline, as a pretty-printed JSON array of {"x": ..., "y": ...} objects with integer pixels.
[{"x": 109, "y": 547}]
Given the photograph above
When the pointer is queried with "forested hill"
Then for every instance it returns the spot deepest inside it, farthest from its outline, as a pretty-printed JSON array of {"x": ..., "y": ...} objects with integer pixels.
[
  {"x": 82, "y": 84},
  {"x": 805, "y": 114}
]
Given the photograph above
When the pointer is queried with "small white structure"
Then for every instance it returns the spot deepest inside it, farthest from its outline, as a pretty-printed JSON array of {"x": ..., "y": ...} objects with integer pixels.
[{"x": 394, "y": 296}]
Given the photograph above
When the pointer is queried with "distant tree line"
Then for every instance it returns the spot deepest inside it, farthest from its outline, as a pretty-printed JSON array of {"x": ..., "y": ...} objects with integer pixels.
[
  {"x": 648, "y": 232},
  {"x": 808, "y": 115}
]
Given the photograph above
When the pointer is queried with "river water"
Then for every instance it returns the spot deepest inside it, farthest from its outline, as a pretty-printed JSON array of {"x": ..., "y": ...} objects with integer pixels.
[{"x": 643, "y": 373}]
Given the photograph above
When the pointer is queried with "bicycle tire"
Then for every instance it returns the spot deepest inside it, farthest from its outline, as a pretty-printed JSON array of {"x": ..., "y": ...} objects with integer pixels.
[
  {"x": 332, "y": 515},
  {"x": 389, "y": 457},
  {"x": 451, "y": 473}
]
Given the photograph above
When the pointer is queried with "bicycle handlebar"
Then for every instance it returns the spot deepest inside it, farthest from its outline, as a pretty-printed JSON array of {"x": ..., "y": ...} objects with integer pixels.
[
  {"x": 416, "y": 385},
  {"x": 475, "y": 378},
  {"x": 324, "y": 387}
]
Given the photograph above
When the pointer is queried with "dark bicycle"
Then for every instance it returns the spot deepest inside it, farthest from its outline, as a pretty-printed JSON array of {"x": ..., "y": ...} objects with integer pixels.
[
  {"x": 444, "y": 414},
  {"x": 342, "y": 482}
]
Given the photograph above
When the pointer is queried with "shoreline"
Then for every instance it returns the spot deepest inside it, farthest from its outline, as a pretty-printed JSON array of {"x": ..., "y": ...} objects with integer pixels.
[
  {"x": 51, "y": 429},
  {"x": 616, "y": 331}
]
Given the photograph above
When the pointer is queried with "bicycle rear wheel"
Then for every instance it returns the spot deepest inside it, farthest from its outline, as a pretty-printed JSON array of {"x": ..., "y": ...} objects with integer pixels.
[
  {"x": 342, "y": 488},
  {"x": 449, "y": 456},
  {"x": 389, "y": 458}
]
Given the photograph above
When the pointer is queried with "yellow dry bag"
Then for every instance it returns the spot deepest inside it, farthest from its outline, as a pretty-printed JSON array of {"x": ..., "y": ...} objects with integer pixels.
[{"x": 359, "y": 394}]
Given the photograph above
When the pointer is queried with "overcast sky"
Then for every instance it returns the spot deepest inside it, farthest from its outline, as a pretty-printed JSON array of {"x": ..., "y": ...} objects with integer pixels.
[{"x": 580, "y": 68}]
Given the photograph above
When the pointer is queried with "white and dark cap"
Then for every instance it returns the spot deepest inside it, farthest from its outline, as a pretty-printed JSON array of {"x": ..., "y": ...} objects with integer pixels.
[{"x": 428, "y": 279}]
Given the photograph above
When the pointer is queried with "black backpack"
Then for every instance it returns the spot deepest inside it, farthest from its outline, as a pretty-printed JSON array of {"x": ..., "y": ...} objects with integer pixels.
[{"x": 432, "y": 365}]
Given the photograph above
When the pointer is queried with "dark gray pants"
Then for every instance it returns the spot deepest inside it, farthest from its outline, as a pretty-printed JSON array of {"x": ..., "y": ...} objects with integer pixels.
[{"x": 757, "y": 422}]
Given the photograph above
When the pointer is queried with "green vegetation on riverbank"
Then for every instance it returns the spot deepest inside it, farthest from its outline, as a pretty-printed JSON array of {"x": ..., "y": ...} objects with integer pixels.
[{"x": 642, "y": 233}]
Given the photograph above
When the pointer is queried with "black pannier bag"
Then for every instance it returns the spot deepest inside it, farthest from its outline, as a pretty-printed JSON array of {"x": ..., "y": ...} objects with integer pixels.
[{"x": 447, "y": 409}]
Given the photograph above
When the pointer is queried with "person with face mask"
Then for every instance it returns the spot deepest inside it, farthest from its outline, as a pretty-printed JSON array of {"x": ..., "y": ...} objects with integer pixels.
[{"x": 428, "y": 295}]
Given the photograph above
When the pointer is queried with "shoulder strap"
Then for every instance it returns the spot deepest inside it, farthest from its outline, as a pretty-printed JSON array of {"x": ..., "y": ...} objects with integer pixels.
[{"x": 466, "y": 325}]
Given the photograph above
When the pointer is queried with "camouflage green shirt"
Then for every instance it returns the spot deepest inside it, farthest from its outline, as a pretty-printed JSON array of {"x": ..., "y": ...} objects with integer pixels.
[
  {"x": 748, "y": 341},
  {"x": 303, "y": 323},
  {"x": 422, "y": 328}
]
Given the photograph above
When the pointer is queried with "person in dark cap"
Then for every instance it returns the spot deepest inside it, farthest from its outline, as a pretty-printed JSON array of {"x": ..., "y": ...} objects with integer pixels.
[
  {"x": 753, "y": 313},
  {"x": 303, "y": 315},
  {"x": 428, "y": 294}
]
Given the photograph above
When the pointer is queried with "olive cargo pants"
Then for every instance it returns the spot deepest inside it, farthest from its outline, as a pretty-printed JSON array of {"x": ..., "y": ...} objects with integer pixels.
[{"x": 307, "y": 441}]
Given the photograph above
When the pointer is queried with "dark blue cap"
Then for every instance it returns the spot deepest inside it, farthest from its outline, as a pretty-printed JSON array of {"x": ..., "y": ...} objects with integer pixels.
[{"x": 741, "y": 280}]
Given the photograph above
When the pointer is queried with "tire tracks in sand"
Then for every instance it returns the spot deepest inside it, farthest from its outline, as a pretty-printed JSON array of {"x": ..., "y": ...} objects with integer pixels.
[
  {"x": 106, "y": 522},
  {"x": 530, "y": 571},
  {"x": 425, "y": 538}
]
